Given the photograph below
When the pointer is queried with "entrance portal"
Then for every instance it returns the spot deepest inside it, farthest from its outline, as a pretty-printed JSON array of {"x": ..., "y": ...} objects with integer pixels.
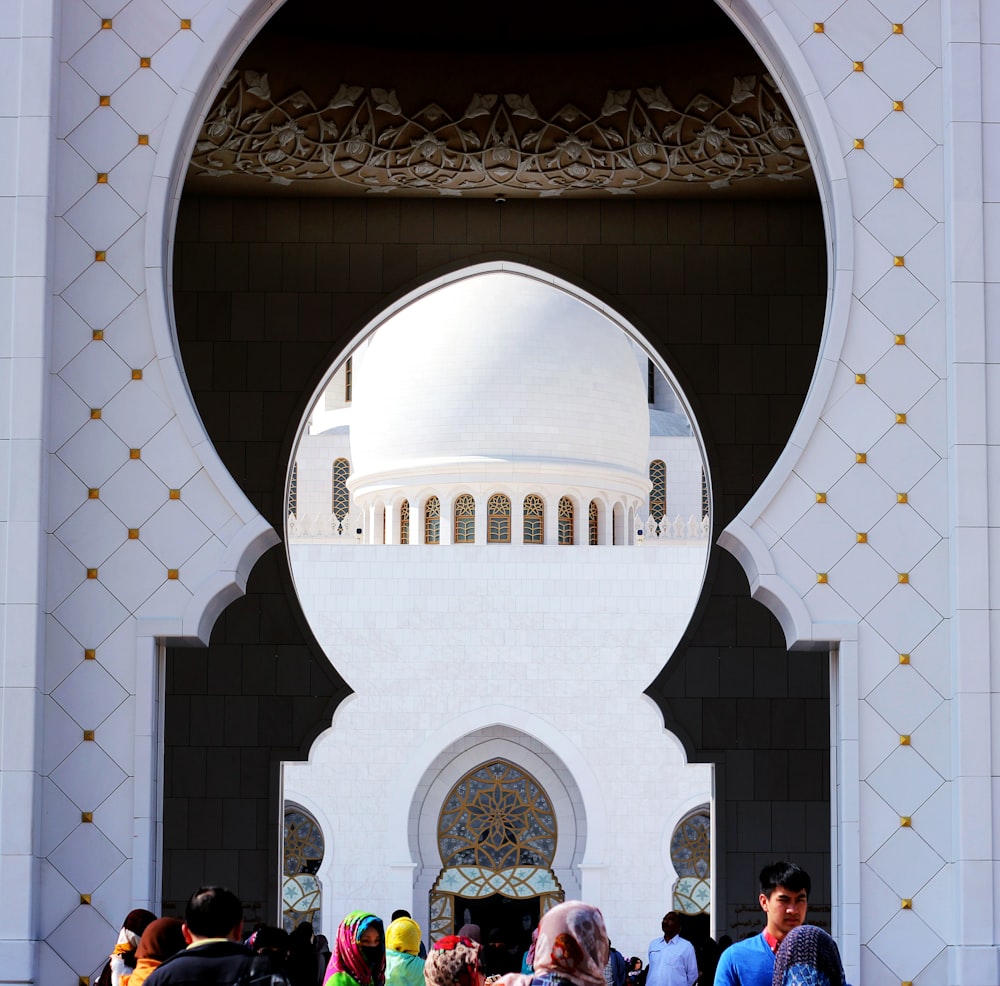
[{"x": 497, "y": 840}]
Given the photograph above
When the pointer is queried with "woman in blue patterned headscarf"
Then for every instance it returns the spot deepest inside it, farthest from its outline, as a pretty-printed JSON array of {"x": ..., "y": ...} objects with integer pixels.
[{"x": 808, "y": 956}]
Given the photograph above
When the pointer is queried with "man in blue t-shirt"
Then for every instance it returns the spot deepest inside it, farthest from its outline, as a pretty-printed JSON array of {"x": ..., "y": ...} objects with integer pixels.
[{"x": 784, "y": 898}]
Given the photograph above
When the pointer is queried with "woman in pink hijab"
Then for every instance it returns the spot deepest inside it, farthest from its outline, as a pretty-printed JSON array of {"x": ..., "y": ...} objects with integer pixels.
[{"x": 572, "y": 948}]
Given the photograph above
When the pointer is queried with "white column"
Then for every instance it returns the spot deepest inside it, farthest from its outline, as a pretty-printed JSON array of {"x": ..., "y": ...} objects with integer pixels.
[
  {"x": 551, "y": 533},
  {"x": 517, "y": 519},
  {"x": 28, "y": 53},
  {"x": 448, "y": 519},
  {"x": 972, "y": 458},
  {"x": 482, "y": 517}
]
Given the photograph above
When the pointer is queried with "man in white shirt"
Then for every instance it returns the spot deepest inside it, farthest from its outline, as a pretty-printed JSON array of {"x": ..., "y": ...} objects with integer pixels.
[{"x": 671, "y": 958}]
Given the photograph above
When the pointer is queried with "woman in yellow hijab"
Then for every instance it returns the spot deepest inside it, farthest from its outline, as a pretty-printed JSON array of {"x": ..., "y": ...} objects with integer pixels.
[{"x": 403, "y": 965}]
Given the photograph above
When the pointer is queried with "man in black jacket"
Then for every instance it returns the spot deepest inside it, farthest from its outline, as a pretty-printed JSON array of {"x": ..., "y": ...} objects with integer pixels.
[{"x": 213, "y": 927}]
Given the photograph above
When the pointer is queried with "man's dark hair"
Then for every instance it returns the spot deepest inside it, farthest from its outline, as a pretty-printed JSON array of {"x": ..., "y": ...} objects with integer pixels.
[
  {"x": 213, "y": 912},
  {"x": 400, "y": 914},
  {"x": 784, "y": 874}
]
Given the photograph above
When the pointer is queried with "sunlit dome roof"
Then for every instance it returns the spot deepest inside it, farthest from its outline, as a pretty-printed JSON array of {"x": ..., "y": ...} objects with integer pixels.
[{"x": 499, "y": 376}]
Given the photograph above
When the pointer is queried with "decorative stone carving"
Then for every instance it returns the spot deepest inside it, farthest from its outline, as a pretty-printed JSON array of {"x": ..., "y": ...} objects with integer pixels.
[{"x": 362, "y": 140}]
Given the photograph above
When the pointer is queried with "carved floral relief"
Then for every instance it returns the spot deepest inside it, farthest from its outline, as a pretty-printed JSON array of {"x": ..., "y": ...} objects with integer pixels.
[{"x": 364, "y": 140}]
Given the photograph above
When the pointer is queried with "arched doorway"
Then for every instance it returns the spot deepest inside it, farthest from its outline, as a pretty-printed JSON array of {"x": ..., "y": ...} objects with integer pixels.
[
  {"x": 761, "y": 459},
  {"x": 497, "y": 836}
]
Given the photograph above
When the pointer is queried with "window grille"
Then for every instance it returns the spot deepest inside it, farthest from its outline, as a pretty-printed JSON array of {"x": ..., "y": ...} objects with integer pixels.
[
  {"x": 465, "y": 519},
  {"x": 658, "y": 494},
  {"x": 498, "y": 508},
  {"x": 593, "y": 521},
  {"x": 404, "y": 522},
  {"x": 341, "y": 496},
  {"x": 534, "y": 519},
  {"x": 293, "y": 492},
  {"x": 432, "y": 521},
  {"x": 565, "y": 520}
]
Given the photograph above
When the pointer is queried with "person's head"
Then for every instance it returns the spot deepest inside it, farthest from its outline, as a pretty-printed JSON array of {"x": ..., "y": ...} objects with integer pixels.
[
  {"x": 360, "y": 949},
  {"x": 271, "y": 941},
  {"x": 635, "y": 963},
  {"x": 161, "y": 939},
  {"x": 454, "y": 961},
  {"x": 573, "y": 943},
  {"x": 808, "y": 955},
  {"x": 138, "y": 921},
  {"x": 671, "y": 925},
  {"x": 472, "y": 931},
  {"x": 400, "y": 913},
  {"x": 403, "y": 935},
  {"x": 213, "y": 912},
  {"x": 784, "y": 897}
]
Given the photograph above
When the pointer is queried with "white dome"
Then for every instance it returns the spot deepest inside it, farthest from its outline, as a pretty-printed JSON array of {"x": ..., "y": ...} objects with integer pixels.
[{"x": 499, "y": 377}]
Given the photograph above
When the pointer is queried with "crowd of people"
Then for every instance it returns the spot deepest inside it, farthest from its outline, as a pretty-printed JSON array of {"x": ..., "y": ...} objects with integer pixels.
[{"x": 570, "y": 947}]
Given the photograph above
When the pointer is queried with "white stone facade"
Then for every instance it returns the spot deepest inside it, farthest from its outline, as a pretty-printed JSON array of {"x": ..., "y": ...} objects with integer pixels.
[
  {"x": 898, "y": 99},
  {"x": 443, "y": 646}
]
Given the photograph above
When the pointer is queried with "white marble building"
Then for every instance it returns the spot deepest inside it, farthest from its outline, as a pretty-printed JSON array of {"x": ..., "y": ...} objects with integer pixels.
[
  {"x": 873, "y": 536},
  {"x": 463, "y": 614}
]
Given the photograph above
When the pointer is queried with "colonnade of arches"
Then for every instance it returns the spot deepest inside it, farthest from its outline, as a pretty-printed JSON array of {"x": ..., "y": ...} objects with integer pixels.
[{"x": 491, "y": 518}]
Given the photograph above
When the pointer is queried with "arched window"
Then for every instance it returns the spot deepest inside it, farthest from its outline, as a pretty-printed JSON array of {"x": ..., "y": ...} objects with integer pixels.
[
  {"x": 565, "y": 520},
  {"x": 404, "y": 522},
  {"x": 658, "y": 494},
  {"x": 293, "y": 492},
  {"x": 592, "y": 517},
  {"x": 534, "y": 519},
  {"x": 498, "y": 508},
  {"x": 704, "y": 494},
  {"x": 465, "y": 519},
  {"x": 691, "y": 856},
  {"x": 341, "y": 496},
  {"x": 432, "y": 521},
  {"x": 301, "y": 893}
]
